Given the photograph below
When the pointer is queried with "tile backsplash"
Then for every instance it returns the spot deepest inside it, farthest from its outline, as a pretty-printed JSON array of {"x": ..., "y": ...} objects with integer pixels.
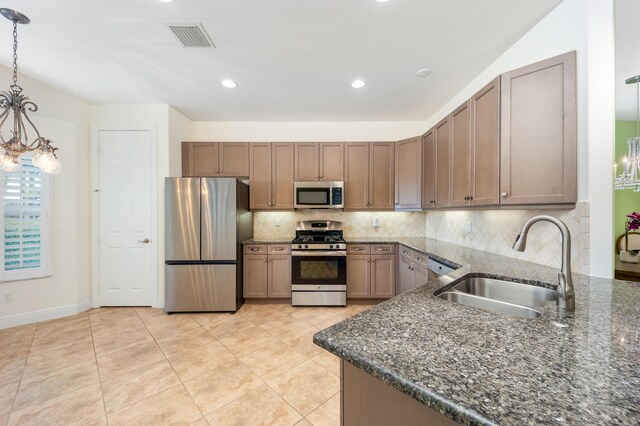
[
  {"x": 491, "y": 230},
  {"x": 278, "y": 225},
  {"x": 495, "y": 231}
]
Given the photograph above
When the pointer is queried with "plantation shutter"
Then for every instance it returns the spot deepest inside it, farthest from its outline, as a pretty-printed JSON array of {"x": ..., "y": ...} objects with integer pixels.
[{"x": 24, "y": 223}]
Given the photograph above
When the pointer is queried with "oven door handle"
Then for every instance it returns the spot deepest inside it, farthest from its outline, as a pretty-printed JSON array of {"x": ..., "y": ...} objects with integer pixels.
[{"x": 318, "y": 253}]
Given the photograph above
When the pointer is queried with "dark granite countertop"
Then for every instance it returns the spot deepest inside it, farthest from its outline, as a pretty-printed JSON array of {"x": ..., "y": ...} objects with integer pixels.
[
  {"x": 479, "y": 367},
  {"x": 268, "y": 241}
]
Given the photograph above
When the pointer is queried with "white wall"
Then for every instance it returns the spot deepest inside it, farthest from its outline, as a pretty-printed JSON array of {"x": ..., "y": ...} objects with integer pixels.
[
  {"x": 305, "y": 131},
  {"x": 65, "y": 120},
  {"x": 179, "y": 130},
  {"x": 587, "y": 27}
]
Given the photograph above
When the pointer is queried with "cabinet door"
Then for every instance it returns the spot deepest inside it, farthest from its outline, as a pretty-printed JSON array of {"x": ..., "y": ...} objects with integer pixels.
[
  {"x": 199, "y": 159},
  {"x": 460, "y": 150},
  {"x": 428, "y": 169},
  {"x": 279, "y": 276},
  {"x": 332, "y": 161},
  {"x": 538, "y": 133},
  {"x": 260, "y": 176},
  {"x": 442, "y": 138},
  {"x": 381, "y": 175},
  {"x": 420, "y": 275},
  {"x": 234, "y": 159},
  {"x": 383, "y": 276},
  {"x": 407, "y": 281},
  {"x": 409, "y": 173},
  {"x": 306, "y": 161},
  {"x": 282, "y": 176},
  {"x": 356, "y": 174},
  {"x": 358, "y": 276},
  {"x": 485, "y": 142},
  {"x": 255, "y": 276}
]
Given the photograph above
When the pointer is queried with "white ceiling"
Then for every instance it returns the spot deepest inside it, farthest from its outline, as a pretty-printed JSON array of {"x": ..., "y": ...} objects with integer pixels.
[
  {"x": 627, "y": 30},
  {"x": 293, "y": 60}
]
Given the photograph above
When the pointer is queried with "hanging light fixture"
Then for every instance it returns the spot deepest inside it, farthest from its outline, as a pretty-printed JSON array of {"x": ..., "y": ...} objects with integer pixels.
[
  {"x": 629, "y": 178},
  {"x": 14, "y": 103}
]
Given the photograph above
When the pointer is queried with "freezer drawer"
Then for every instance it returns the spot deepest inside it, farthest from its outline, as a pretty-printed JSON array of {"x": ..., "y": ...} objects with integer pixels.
[{"x": 200, "y": 288}]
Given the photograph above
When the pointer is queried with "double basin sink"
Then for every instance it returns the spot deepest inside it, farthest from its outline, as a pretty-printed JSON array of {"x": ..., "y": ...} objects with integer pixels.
[{"x": 499, "y": 296}]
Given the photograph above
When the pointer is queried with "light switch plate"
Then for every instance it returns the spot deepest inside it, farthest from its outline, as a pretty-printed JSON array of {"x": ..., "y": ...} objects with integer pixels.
[{"x": 376, "y": 222}]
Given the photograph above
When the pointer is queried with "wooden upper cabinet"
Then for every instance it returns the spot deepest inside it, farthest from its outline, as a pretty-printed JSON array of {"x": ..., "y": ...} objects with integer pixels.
[
  {"x": 319, "y": 161},
  {"x": 460, "y": 151},
  {"x": 443, "y": 168},
  {"x": 233, "y": 159},
  {"x": 485, "y": 142},
  {"x": 307, "y": 162},
  {"x": 271, "y": 176},
  {"x": 282, "y": 175},
  {"x": 409, "y": 173},
  {"x": 199, "y": 159},
  {"x": 381, "y": 175},
  {"x": 331, "y": 165},
  {"x": 429, "y": 169},
  {"x": 538, "y": 133},
  {"x": 260, "y": 172},
  {"x": 203, "y": 159},
  {"x": 356, "y": 174}
]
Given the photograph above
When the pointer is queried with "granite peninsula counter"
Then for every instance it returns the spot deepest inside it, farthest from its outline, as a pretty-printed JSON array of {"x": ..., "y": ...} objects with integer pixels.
[{"x": 477, "y": 367}]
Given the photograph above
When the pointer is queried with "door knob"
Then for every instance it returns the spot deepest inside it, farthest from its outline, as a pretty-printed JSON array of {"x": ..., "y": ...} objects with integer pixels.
[{"x": 146, "y": 241}]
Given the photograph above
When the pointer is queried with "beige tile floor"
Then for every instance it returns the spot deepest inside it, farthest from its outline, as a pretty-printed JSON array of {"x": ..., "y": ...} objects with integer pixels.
[{"x": 137, "y": 366}]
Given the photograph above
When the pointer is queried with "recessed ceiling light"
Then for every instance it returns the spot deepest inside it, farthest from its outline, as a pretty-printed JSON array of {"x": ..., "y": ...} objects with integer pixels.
[
  {"x": 382, "y": 1},
  {"x": 166, "y": 1},
  {"x": 358, "y": 84},
  {"x": 229, "y": 83},
  {"x": 423, "y": 72}
]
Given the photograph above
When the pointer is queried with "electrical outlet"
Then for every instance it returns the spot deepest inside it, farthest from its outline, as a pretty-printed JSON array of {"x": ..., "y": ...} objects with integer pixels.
[
  {"x": 469, "y": 227},
  {"x": 276, "y": 222},
  {"x": 376, "y": 222},
  {"x": 7, "y": 298}
]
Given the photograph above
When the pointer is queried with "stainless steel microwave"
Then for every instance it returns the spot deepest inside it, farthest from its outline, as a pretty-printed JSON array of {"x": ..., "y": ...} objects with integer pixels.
[{"x": 318, "y": 195}]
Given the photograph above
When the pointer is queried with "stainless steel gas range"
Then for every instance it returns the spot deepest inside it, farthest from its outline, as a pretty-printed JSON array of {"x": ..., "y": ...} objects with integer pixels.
[{"x": 319, "y": 264}]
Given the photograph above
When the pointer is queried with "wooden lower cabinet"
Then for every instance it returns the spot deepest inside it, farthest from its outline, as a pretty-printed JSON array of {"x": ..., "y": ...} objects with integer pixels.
[
  {"x": 371, "y": 276},
  {"x": 266, "y": 275},
  {"x": 412, "y": 273},
  {"x": 279, "y": 272},
  {"x": 368, "y": 401},
  {"x": 255, "y": 276}
]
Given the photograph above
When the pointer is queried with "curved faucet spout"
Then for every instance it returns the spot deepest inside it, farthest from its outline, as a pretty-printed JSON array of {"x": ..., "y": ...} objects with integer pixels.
[{"x": 566, "y": 291}]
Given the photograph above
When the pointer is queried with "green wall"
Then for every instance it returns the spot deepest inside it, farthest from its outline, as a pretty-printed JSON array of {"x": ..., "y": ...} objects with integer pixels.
[{"x": 626, "y": 201}]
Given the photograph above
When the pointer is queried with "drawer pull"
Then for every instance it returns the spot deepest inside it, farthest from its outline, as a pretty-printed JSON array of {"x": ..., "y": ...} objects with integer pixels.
[
  {"x": 358, "y": 249},
  {"x": 278, "y": 249},
  {"x": 382, "y": 249},
  {"x": 254, "y": 249},
  {"x": 419, "y": 259}
]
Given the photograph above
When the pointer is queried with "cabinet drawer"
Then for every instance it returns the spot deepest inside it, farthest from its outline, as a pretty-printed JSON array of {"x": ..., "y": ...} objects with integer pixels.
[
  {"x": 279, "y": 249},
  {"x": 383, "y": 249},
  {"x": 419, "y": 257},
  {"x": 406, "y": 252},
  {"x": 358, "y": 249},
  {"x": 255, "y": 249}
]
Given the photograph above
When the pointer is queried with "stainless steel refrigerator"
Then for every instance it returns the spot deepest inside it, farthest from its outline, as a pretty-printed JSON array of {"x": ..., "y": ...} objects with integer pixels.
[{"x": 206, "y": 220}]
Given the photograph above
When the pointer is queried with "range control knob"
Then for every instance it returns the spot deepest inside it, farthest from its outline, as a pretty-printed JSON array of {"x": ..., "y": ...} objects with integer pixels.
[
  {"x": 306, "y": 246},
  {"x": 331, "y": 246},
  {"x": 299, "y": 245}
]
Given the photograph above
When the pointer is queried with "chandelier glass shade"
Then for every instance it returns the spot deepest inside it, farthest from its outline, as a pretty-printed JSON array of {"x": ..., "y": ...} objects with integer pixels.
[
  {"x": 15, "y": 108},
  {"x": 629, "y": 178}
]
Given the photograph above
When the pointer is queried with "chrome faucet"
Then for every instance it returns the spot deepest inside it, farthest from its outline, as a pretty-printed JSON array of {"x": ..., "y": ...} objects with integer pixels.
[{"x": 566, "y": 293}]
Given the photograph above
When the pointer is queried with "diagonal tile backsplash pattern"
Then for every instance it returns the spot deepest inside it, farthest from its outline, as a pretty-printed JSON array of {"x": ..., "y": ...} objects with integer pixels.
[
  {"x": 491, "y": 230},
  {"x": 356, "y": 224},
  {"x": 495, "y": 231}
]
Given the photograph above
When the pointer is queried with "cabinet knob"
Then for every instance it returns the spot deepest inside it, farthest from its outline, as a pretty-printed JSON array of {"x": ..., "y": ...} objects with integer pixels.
[
  {"x": 419, "y": 259},
  {"x": 470, "y": 197},
  {"x": 265, "y": 261},
  {"x": 505, "y": 194}
]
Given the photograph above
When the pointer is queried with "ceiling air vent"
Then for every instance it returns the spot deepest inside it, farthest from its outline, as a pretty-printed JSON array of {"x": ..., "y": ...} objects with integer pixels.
[{"x": 191, "y": 35}]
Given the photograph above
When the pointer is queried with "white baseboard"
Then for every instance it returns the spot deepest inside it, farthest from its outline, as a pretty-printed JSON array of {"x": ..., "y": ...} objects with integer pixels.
[
  {"x": 44, "y": 314},
  {"x": 159, "y": 303}
]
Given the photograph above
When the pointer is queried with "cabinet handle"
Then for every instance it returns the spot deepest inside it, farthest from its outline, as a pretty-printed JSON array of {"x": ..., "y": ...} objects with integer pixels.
[
  {"x": 505, "y": 194},
  {"x": 358, "y": 249},
  {"x": 265, "y": 261},
  {"x": 278, "y": 249},
  {"x": 254, "y": 249},
  {"x": 382, "y": 249},
  {"x": 419, "y": 259},
  {"x": 470, "y": 197}
]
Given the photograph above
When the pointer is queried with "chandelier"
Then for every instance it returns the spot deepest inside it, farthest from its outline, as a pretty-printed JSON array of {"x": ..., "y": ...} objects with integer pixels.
[
  {"x": 18, "y": 106},
  {"x": 629, "y": 178}
]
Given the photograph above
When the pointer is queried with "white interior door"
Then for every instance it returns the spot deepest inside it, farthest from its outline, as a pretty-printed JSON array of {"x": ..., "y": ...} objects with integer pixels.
[{"x": 125, "y": 217}]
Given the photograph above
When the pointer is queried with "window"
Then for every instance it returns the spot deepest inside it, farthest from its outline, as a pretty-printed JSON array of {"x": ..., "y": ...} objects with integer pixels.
[{"x": 25, "y": 223}]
